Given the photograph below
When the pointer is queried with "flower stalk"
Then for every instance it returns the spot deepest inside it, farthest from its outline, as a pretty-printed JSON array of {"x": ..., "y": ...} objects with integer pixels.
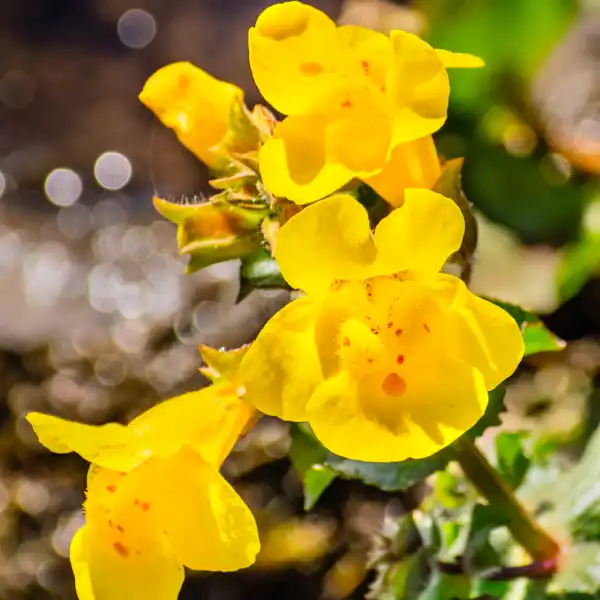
[{"x": 495, "y": 490}]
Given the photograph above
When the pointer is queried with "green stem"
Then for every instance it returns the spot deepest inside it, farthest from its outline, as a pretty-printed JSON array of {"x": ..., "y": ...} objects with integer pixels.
[{"x": 494, "y": 489}]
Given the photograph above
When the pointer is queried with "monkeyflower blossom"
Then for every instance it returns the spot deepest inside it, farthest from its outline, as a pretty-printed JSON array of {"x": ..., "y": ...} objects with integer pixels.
[
  {"x": 155, "y": 499},
  {"x": 208, "y": 115},
  {"x": 352, "y": 96},
  {"x": 384, "y": 356}
]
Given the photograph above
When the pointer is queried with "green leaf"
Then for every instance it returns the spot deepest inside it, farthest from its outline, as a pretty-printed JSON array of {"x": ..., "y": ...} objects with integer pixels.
[
  {"x": 308, "y": 458},
  {"x": 537, "y": 337},
  {"x": 442, "y": 586},
  {"x": 511, "y": 461},
  {"x": 260, "y": 270},
  {"x": 390, "y": 477},
  {"x": 580, "y": 262}
]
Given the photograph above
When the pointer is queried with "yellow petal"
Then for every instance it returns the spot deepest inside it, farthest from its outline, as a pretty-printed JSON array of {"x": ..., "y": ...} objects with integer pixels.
[
  {"x": 366, "y": 53},
  {"x": 281, "y": 369},
  {"x": 420, "y": 235},
  {"x": 411, "y": 165},
  {"x": 359, "y": 133},
  {"x": 121, "y": 566},
  {"x": 295, "y": 163},
  {"x": 195, "y": 105},
  {"x": 207, "y": 523},
  {"x": 312, "y": 257},
  {"x": 418, "y": 88},
  {"x": 112, "y": 446},
  {"x": 483, "y": 334},
  {"x": 435, "y": 408},
  {"x": 293, "y": 56},
  {"x": 80, "y": 566},
  {"x": 210, "y": 420},
  {"x": 457, "y": 60}
]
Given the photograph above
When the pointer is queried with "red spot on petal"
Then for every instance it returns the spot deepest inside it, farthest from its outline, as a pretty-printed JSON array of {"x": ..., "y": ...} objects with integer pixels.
[
  {"x": 365, "y": 66},
  {"x": 370, "y": 360},
  {"x": 393, "y": 385},
  {"x": 110, "y": 523},
  {"x": 136, "y": 502},
  {"x": 382, "y": 88},
  {"x": 390, "y": 325},
  {"x": 111, "y": 488},
  {"x": 374, "y": 331},
  {"x": 426, "y": 328},
  {"x": 145, "y": 506},
  {"x": 121, "y": 549},
  {"x": 346, "y": 341},
  {"x": 398, "y": 332},
  {"x": 120, "y": 529},
  {"x": 400, "y": 359},
  {"x": 346, "y": 104},
  {"x": 311, "y": 68}
]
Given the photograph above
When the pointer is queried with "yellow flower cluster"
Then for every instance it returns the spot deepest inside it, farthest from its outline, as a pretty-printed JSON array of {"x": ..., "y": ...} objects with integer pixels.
[{"x": 386, "y": 357}]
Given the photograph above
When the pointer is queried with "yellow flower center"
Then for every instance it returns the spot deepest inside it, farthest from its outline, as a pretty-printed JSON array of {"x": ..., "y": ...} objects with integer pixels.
[{"x": 385, "y": 331}]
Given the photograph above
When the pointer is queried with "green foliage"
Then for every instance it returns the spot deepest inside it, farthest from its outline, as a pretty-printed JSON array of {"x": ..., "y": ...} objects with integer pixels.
[
  {"x": 580, "y": 262},
  {"x": 511, "y": 461},
  {"x": 308, "y": 458},
  {"x": 528, "y": 30},
  {"x": 536, "y": 336},
  {"x": 260, "y": 271}
]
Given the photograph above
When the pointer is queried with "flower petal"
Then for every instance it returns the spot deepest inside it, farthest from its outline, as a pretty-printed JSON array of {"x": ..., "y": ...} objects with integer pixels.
[
  {"x": 295, "y": 163},
  {"x": 326, "y": 241},
  {"x": 192, "y": 103},
  {"x": 111, "y": 446},
  {"x": 411, "y": 165},
  {"x": 418, "y": 87},
  {"x": 482, "y": 334},
  {"x": 110, "y": 568},
  {"x": 458, "y": 60},
  {"x": 205, "y": 520},
  {"x": 293, "y": 55},
  {"x": 210, "y": 420},
  {"x": 420, "y": 235},
  {"x": 366, "y": 53},
  {"x": 270, "y": 369},
  {"x": 437, "y": 407}
]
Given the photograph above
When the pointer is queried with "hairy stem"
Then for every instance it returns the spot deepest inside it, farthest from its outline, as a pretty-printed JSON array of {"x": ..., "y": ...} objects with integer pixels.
[{"x": 494, "y": 489}]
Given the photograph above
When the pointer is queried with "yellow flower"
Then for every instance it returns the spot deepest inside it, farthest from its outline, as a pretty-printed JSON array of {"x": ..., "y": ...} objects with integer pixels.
[
  {"x": 411, "y": 165},
  {"x": 155, "y": 498},
  {"x": 384, "y": 356},
  {"x": 208, "y": 115},
  {"x": 352, "y": 96}
]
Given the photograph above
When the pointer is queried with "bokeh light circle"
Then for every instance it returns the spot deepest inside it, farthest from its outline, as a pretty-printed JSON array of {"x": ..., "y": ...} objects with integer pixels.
[
  {"x": 63, "y": 187},
  {"x": 136, "y": 28},
  {"x": 112, "y": 170}
]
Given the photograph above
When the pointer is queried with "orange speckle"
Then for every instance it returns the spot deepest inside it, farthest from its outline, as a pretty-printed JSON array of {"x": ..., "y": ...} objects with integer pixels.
[
  {"x": 400, "y": 359},
  {"x": 110, "y": 523},
  {"x": 311, "y": 68},
  {"x": 390, "y": 325},
  {"x": 346, "y": 104},
  {"x": 370, "y": 361},
  {"x": 121, "y": 549},
  {"x": 120, "y": 528},
  {"x": 111, "y": 488},
  {"x": 145, "y": 506},
  {"x": 374, "y": 331},
  {"x": 393, "y": 385},
  {"x": 382, "y": 88},
  {"x": 426, "y": 328},
  {"x": 365, "y": 66},
  {"x": 346, "y": 341},
  {"x": 398, "y": 332}
]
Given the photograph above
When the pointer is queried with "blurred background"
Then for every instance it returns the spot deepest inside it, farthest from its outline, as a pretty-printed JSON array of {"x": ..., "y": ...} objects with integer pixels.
[{"x": 98, "y": 321}]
